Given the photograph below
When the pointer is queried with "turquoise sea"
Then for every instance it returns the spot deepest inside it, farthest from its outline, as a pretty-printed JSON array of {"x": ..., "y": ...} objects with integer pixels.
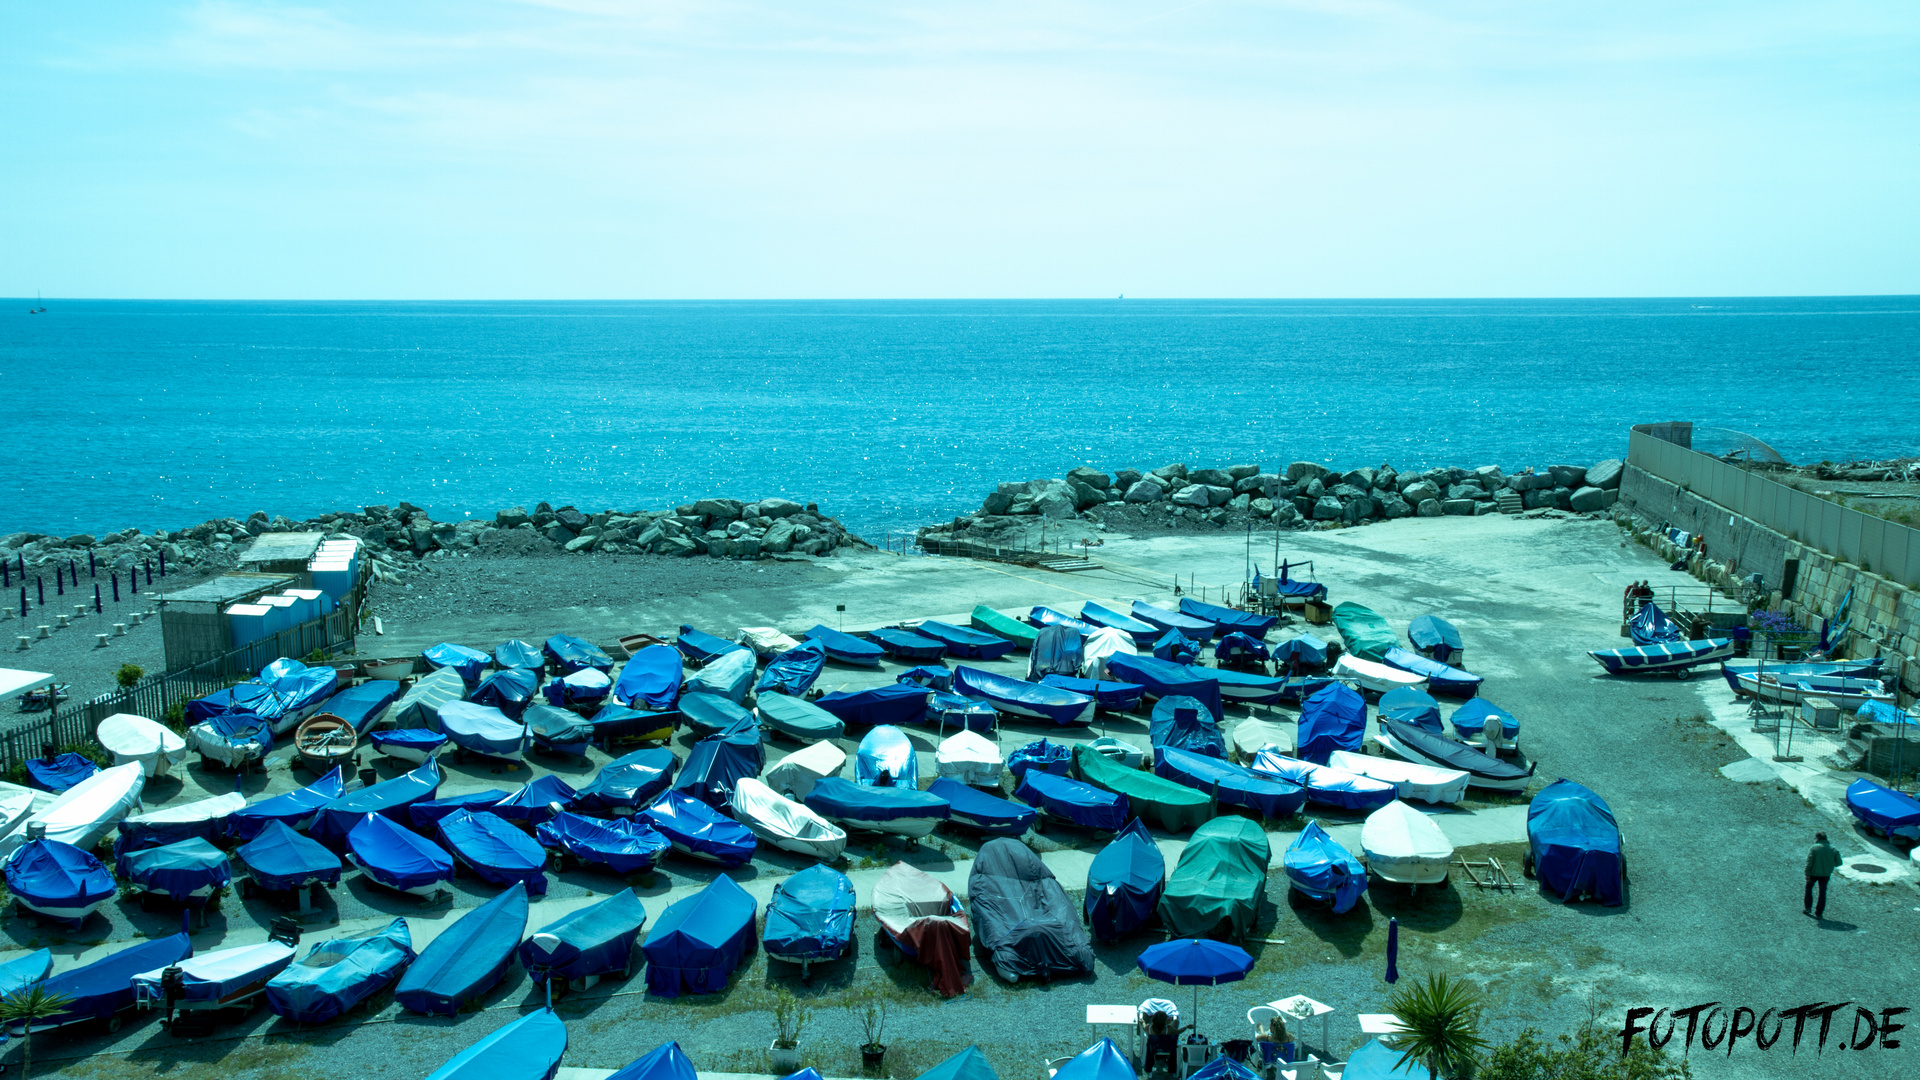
[{"x": 890, "y": 414}]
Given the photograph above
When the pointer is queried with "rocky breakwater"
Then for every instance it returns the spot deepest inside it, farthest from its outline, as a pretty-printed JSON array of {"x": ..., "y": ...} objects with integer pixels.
[
  {"x": 1304, "y": 495},
  {"x": 728, "y": 528}
]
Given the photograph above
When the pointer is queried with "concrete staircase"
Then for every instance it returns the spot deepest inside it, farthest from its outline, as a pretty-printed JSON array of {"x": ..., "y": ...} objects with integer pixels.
[{"x": 1508, "y": 502}]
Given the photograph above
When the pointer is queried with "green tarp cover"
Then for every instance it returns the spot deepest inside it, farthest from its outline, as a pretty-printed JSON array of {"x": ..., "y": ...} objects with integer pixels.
[
  {"x": 1219, "y": 878},
  {"x": 1175, "y": 807},
  {"x": 991, "y": 621},
  {"x": 1367, "y": 634}
]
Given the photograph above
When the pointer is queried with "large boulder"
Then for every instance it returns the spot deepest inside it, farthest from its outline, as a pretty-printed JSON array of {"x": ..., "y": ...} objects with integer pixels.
[
  {"x": 1604, "y": 475},
  {"x": 1489, "y": 476},
  {"x": 1537, "y": 499},
  {"x": 996, "y": 503},
  {"x": 1240, "y": 503},
  {"x": 719, "y": 509},
  {"x": 1346, "y": 492},
  {"x": 1568, "y": 476},
  {"x": 1086, "y": 495},
  {"x": 1461, "y": 507},
  {"x": 556, "y": 532},
  {"x": 1563, "y": 498},
  {"x": 581, "y": 543},
  {"x": 1212, "y": 477},
  {"x": 1218, "y": 495},
  {"x": 1261, "y": 507},
  {"x": 778, "y": 537},
  {"x": 1192, "y": 495},
  {"x": 571, "y": 518},
  {"x": 1262, "y": 484},
  {"x": 1392, "y": 506},
  {"x": 1315, "y": 488},
  {"x": 1090, "y": 476},
  {"x": 1241, "y": 472},
  {"x": 1327, "y": 508},
  {"x": 1172, "y": 475},
  {"x": 1285, "y": 513},
  {"x": 1386, "y": 479},
  {"x": 1463, "y": 491},
  {"x": 1302, "y": 471},
  {"x": 1145, "y": 491},
  {"x": 1428, "y": 508},
  {"x": 1361, "y": 478},
  {"x": 778, "y": 508},
  {"x": 678, "y": 545},
  {"x": 1126, "y": 478},
  {"x": 1420, "y": 491},
  {"x": 1055, "y": 502},
  {"x": 1022, "y": 504},
  {"x": 650, "y": 536},
  {"x": 1357, "y": 510},
  {"x": 1587, "y": 499}
]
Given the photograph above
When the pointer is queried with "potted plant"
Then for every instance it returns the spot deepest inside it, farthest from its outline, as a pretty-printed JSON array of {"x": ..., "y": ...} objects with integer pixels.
[
  {"x": 790, "y": 1016},
  {"x": 871, "y": 1009}
]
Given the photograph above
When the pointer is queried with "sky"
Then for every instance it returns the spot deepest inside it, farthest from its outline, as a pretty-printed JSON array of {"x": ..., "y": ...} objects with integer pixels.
[{"x": 730, "y": 149}]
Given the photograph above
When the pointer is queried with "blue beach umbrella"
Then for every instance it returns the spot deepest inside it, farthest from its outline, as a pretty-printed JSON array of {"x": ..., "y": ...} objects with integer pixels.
[
  {"x": 1393, "y": 950},
  {"x": 1195, "y": 962}
]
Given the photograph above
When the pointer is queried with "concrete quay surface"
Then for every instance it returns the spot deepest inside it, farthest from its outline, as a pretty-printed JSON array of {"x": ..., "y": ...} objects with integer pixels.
[{"x": 1714, "y": 861}]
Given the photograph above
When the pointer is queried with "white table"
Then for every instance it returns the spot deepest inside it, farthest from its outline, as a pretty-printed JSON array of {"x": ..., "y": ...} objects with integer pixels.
[
  {"x": 1292, "y": 1009},
  {"x": 1118, "y": 1014},
  {"x": 1375, "y": 1025}
]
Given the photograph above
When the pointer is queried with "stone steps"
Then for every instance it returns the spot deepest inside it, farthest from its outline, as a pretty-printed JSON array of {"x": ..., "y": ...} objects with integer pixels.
[{"x": 1508, "y": 502}]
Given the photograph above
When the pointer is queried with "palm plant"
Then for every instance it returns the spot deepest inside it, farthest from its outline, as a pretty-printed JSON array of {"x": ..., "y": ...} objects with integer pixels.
[
  {"x": 26, "y": 1007},
  {"x": 1441, "y": 1019}
]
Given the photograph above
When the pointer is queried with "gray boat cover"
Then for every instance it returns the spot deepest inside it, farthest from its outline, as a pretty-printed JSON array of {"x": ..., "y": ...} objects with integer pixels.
[
  {"x": 1057, "y": 650},
  {"x": 1023, "y": 921}
]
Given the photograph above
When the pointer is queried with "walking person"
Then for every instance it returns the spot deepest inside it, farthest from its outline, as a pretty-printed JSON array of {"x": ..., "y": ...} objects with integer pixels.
[{"x": 1822, "y": 861}]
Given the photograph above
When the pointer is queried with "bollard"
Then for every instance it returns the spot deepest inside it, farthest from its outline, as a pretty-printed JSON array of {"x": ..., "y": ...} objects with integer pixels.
[
  {"x": 45, "y": 632},
  {"x": 97, "y": 609},
  {"x": 116, "y": 586},
  {"x": 99, "y": 641},
  {"x": 119, "y": 630},
  {"x": 64, "y": 621},
  {"x": 79, "y": 611},
  {"x": 139, "y": 617},
  {"x": 25, "y": 643}
]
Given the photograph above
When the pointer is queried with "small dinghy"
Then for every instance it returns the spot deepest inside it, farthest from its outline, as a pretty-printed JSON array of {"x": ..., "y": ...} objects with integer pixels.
[
  {"x": 718, "y": 762},
  {"x": 530, "y": 1048},
  {"x": 627, "y": 785},
  {"x": 465, "y": 662},
  {"x": 798, "y": 719},
  {"x": 1195, "y": 630},
  {"x": 189, "y": 872},
  {"x": 617, "y": 723},
  {"x": 1435, "y": 638},
  {"x": 336, "y": 975},
  {"x": 726, "y": 676},
  {"x": 586, "y": 689},
  {"x": 1119, "y": 750},
  {"x": 897, "y": 811},
  {"x": 1163, "y": 678},
  {"x": 424, "y": 817},
  {"x": 411, "y": 745},
  {"x": 1124, "y": 883},
  {"x": 1073, "y": 802},
  {"x": 651, "y": 680},
  {"x": 970, "y": 759},
  {"x": 278, "y": 859},
  {"x": 845, "y": 648},
  {"x": 102, "y": 990},
  {"x": 907, "y": 645},
  {"x": 1321, "y": 870},
  {"x": 622, "y": 845},
  {"x": 946, "y": 710},
  {"x": 1573, "y": 842},
  {"x": 794, "y": 671},
  {"x": 1481, "y": 723},
  {"x": 205, "y": 819},
  {"x": 766, "y": 641},
  {"x": 1024, "y": 925},
  {"x": 226, "y": 979},
  {"x": 57, "y": 881},
  {"x": 494, "y": 850},
  {"x": 58, "y": 772},
  {"x": 810, "y": 918},
  {"x": 514, "y": 653},
  {"x": 483, "y": 730},
  {"x": 796, "y": 773},
  {"x": 1046, "y": 616},
  {"x": 785, "y": 824},
  {"x": 588, "y": 943},
  {"x": 988, "y": 621},
  {"x": 1892, "y": 814},
  {"x": 391, "y": 798},
  {"x": 324, "y": 743},
  {"x": 1144, "y": 634},
  {"x": 699, "y": 831},
  {"x": 1043, "y": 754},
  {"x": 558, "y": 731},
  {"x": 1677, "y": 657},
  {"x": 420, "y": 706},
  {"x": 510, "y": 691},
  {"x": 569, "y": 654},
  {"x": 711, "y": 714},
  {"x": 398, "y": 859},
  {"x": 389, "y": 668},
  {"x": 1410, "y": 706},
  {"x": 1410, "y": 780},
  {"x": 922, "y": 919},
  {"x": 1483, "y": 770},
  {"x": 699, "y": 941},
  {"x": 467, "y": 959},
  {"x": 1017, "y": 697},
  {"x": 1327, "y": 785},
  {"x": 1374, "y": 676},
  {"x": 886, "y": 758},
  {"x": 85, "y": 812},
  {"x": 365, "y": 705},
  {"x": 534, "y": 801},
  {"x": 1174, "y": 807},
  {"x": 963, "y": 643},
  {"x": 131, "y": 738},
  {"x": 983, "y": 813},
  {"x": 1108, "y": 697},
  {"x": 1229, "y": 784},
  {"x": 1441, "y": 678},
  {"x": 1229, "y": 620},
  {"x": 896, "y": 704},
  {"x": 1403, "y": 845},
  {"x": 1185, "y": 724},
  {"x": 701, "y": 648}
]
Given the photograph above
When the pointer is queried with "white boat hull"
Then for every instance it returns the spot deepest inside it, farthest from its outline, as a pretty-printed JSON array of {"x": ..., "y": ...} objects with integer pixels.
[
  {"x": 1378, "y": 678},
  {"x": 1393, "y": 746},
  {"x": 74, "y": 914},
  {"x": 913, "y": 827},
  {"x": 1411, "y": 780}
]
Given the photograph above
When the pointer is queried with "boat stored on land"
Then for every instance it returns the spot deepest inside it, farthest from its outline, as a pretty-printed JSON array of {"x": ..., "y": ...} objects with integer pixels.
[
  {"x": 795, "y": 774},
  {"x": 907, "y": 645},
  {"x": 886, "y": 758},
  {"x": 699, "y": 941},
  {"x": 974, "y": 809},
  {"x": 622, "y": 845},
  {"x": 466, "y": 959},
  {"x": 1423, "y": 747},
  {"x": 1124, "y": 883},
  {"x": 1142, "y": 633},
  {"x": 602, "y": 939},
  {"x": 131, "y": 738},
  {"x": 628, "y": 784},
  {"x": 1017, "y": 697},
  {"x": 1378, "y": 677},
  {"x": 1325, "y": 784},
  {"x": 103, "y": 989},
  {"x": 400, "y": 859},
  {"x": 1229, "y": 620},
  {"x": 1679, "y": 657},
  {"x": 1573, "y": 844},
  {"x": 1403, "y": 845},
  {"x": 529, "y": 1048},
  {"x": 988, "y": 621},
  {"x": 845, "y": 648},
  {"x": 1229, "y": 784},
  {"x": 1435, "y": 638},
  {"x": 1175, "y": 807},
  {"x": 1409, "y": 779},
  {"x": 1365, "y": 633},
  {"x": 1218, "y": 880},
  {"x": 1893, "y": 814},
  {"x": 921, "y": 918},
  {"x": 650, "y": 682},
  {"x": 1023, "y": 922},
  {"x": 1319, "y": 868},
  {"x": 964, "y": 643},
  {"x": 699, "y": 831},
  {"x": 336, "y": 975},
  {"x": 494, "y": 850},
  {"x": 794, "y": 671},
  {"x": 810, "y": 918},
  {"x": 1072, "y": 801},
  {"x": 1441, "y": 678},
  {"x": 784, "y": 823},
  {"x": 897, "y": 811},
  {"x": 797, "y": 718}
]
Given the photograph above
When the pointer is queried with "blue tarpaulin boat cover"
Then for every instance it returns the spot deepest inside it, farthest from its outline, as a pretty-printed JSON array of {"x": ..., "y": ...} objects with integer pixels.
[
  {"x": 982, "y": 812},
  {"x": 425, "y": 816},
  {"x": 1070, "y": 800},
  {"x": 495, "y": 850},
  {"x": 534, "y": 801},
  {"x": 1289, "y": 586},
  {"x": 570, "y": 654},
  {"x": 1057, "y": 650},
  {"x": 247, "y": 699},
  {"x": 951, "y": 710},
  {"x": 966, "y": 643},
  {"x": 726, "y": 676},
  {"x": 1378, "y": 1061},
  {"x": 1196, "y": 629},
  {"x": 483, "y": 729},
  {"x": 907, "y": 644},
  {"x": 1307, "y": 650},
  {"x": 1124, "y": 883},
  {"x": 840, "y": 800},
  {"x": 467, "y": 958},
  {"x": 710, "y": 714},
  {"x": 396, "y": 857},
  {"x": 204, "y": 818},
  {"x": 700, "y": 830},
  {"x": 1021, "y": 698},
  {"x": 886, "y": 758},
  {"x": 699, "y": 941},
  {"x": 664, "y": 1062},
  {"x": 795, "y": 671},
  {"x": 189, "y": 872},
  {"x": 622, "y": 845},
  {"x": 1325, "y": 784},
  {"x": 1318, "y": 866},
  {"x": 1042, "y": 754},
  {"x": 700, "y": 647},
  {"x": 1441, "y": 679},
  {"x": 336, "y": 975},
  {"x": 628, "y": 783},
  {"x": 1880, "y": 712},
  {"x": 51, "y": 877},
  {"x": 1650, "y": 626},
  {"x": 60, "y": 772},
  {"x": 900, "y": 703},
  {"x": 597, "y": 940},
  {"x": 104, "y": 987},
  {"x": 529, "y": 1048},
  {"x": 968, "y": 1064},
  {"x": 621, "y": 722},
  {"x": 1177, "y": 647},
  {"x": 1434, "y": 636},
  {"x": 1163, "y": 678},
  {"x": 1410, "y": 706},
  {"x": 24, "y": 971},
  {"x": 389, "y": 797},
  {"x": 558, "y": 731},
  {"x": 651, "y": 680},
  {"x": 716, "y": 763},
  {"x": 810, "y": 916},
  {"x": 1880, "y": 807},
  {"x": 469, "y": 663},
  {"x": 1575, "y": 843},
  {"x": 1231, "y": 785},
  {"x": 1229, "y": 620},
  {"x": 1142, "y": 633},
  {"x": 363, "y": 705},
  {"x": 280, "y": 859},
  {"x": 1239, "y": 648},
  {"x": 1101, "y": 1061},
  {"x": 300, "y": 686},
  {"x": 845, "y": 648},
  {"x": 1185, "y": 723},
  {"x": 510, "y": 691},
  {"x": 1333, "y": 719},
  {"x": 514, "y": 653},
  {"x": 209, "y": 978},
  {"x": 1470, "y": 719},
  {"x": 1046, "y": 616},
  {"x": 586, "y": 688},
  {"x": 1107, "y": 696}
]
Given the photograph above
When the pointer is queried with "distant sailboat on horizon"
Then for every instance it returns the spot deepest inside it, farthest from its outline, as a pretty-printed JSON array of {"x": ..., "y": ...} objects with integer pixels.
[{"x": 38, "y": 305}]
